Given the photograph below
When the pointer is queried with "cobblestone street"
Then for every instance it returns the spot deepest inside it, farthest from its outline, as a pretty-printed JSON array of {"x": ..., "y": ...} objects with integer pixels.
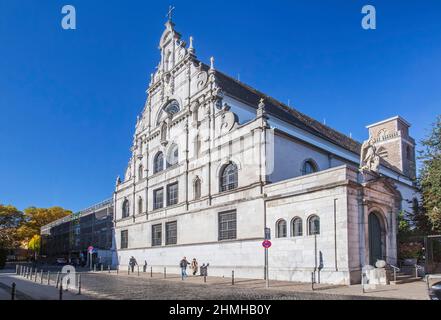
[{"x": 104, "y": 285}]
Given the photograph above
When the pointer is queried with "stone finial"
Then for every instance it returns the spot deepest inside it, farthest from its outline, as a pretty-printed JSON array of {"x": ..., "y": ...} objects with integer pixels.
[
  {"x": 212, "y": 63},
  {"x": 261, "y": 112},
  {"x": 118, "y": 181},
  {"x": 190, "y": 47},
  {"x": 151, "y": 78}
]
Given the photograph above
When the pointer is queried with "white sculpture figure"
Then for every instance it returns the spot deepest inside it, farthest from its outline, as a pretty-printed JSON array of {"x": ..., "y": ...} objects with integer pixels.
[
  {"x": 118, "y": 181},
  {"x": 369, "y": 158}
]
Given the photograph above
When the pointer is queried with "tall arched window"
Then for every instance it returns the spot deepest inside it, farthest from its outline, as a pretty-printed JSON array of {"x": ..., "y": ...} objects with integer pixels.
[
  {"x": 228, "y": 178},
  {"x": 281, "y": 228},
  {"x": 139, "y": 205},
  {"x": 309, "y": 166},
  {"x": 197, "y": 189},
  {"x": 125, "y": 208},
  {"x": 158, "y": 162},
  {"x": 313, "y": 225},
  {"x": 140, "y": 172},
  {"x": 296, "y": 227},
  {"x": 197, "y": 146},
  {"x": 173, "y": 156}
]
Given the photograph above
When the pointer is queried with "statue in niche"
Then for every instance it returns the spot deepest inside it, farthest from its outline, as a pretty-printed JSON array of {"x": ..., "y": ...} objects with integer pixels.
[{"x": 369, "y": 157}]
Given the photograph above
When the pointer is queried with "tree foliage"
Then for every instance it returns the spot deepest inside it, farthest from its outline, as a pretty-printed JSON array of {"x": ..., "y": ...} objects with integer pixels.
[
  {"x": 35, "y": 218},
  {"x": 10, "y": 220},
  {"x": 35, "y": 243},
  {"x": 430, "y": 175}
]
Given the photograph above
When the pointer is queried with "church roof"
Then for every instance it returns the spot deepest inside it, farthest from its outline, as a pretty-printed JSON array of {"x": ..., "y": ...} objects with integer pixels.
[{"x": 274, "y": 107}]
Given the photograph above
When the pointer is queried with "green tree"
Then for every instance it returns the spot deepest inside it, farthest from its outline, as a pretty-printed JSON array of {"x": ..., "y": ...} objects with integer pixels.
[{"x": 430, "y": 175}]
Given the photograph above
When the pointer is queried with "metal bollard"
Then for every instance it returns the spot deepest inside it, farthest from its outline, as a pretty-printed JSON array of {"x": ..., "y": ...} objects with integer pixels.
[
  {"x": 48, "y": 278},
  {"x": 79, "y": 284},
  {"x": 102, "y": 267},
  {"x": 61, "y": 292},
  {"x": 31, "y": 274},
  {"x": 138, "y": 271},
  {"x": 232, "y": 278},
  {"x": 16, "y": 269},
  {"x": 13, "y": 291},
  {"x": 165, "y": 272},
  {"x": 41, "y": 277},
  {"x": 205, "y": 279},
  {"x": 94, "y": 268},
  {"x": 108, "y": 268},
  {"x": 58, "y": 279},
  {"x": 151, "y": 272},
  {"x": 128, "y": 270},
  {"x": 36, "y": 274},
  {"x": 117, "y": 269},
  {"x": 312, "y": 281}
]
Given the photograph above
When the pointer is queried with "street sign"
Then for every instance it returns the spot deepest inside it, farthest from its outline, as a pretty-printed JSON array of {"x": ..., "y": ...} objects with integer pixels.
[
  {"x": 267, "y": 234},
  {"x": 90, "y": 249},
  {"x": 266, "y": 244}
]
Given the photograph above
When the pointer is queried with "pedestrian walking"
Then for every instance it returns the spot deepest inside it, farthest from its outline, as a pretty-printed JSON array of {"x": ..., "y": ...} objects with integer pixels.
[
  {"x": 204, "y": 270},
  {"x": 133, "y": 263},
  {"x": 183, "y": 264},
  {"x": 194, "y": 266}
]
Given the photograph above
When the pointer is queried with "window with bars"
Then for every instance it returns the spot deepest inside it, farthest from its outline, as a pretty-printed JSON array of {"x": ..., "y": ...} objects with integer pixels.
[
  {"x": 228, "y": 179},
  {"x": 157, "y": 235},
  {"x": 314, "y": 225},
  {"x": 124, "y": 239},
  {"x": 296, "y": 227},
  {"x": 171, "y": 233},
  {"x": 281, "y": 228},
  {"x": 158, "y": 198},
  {"x": 172, "y": 194},
  {"x": 227, "y": 225}
]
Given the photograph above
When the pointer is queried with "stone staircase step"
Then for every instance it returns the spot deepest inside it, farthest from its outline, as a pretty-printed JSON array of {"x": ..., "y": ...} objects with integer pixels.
[{"x": 405, "y": 279}]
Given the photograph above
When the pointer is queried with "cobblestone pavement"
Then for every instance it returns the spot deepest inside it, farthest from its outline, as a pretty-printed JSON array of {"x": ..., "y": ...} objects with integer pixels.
[{"x": 105, "y": 286}]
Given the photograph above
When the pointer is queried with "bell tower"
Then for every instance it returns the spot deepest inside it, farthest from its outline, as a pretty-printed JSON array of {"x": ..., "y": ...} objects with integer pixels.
[{"x": 394, "y": 144}]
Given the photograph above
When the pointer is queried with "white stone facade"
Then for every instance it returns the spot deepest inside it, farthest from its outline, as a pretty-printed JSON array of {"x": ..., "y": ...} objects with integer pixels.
[{"x": 209, "y": 119}]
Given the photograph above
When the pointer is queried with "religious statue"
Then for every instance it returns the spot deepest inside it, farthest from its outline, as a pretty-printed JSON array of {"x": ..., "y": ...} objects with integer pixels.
[
  {"x": 118, "y": 181},
  {"x": 369, "y": 158}
]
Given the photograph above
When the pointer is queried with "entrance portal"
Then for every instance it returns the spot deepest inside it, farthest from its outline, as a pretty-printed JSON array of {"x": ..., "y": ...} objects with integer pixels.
[{"x": 375, "y": 239}]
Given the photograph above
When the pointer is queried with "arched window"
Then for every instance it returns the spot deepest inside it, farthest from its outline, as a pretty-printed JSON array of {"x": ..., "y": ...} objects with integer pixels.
[
  {"x": 296, "y": 227},
  {"x": 125, "y": 208},
  {"x": 313, "y": 225},
  {"x": 158, "y": 162},
  {"x": 281, "y": 229},
  {"x": 172, "y": 108},
  {"x": 173, "y": 156},
  {"x": 197, "y": 189},
  {"x": 309, "y": 166},
  {"x": 140, "y": 172},
  {"x": 139, "y": 205},
  {"x": 228, "y": 179}
]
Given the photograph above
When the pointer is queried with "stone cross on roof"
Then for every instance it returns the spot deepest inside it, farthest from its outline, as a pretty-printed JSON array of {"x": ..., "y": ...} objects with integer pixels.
[{"x": 170, "y": 13}]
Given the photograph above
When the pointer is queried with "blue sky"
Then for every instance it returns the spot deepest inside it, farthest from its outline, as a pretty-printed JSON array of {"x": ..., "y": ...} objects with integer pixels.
[{"x": 69, "y": 99}]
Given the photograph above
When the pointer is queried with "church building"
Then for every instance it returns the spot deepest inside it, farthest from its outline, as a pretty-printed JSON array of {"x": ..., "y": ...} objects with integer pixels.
[{"x": 215, "y": 162}]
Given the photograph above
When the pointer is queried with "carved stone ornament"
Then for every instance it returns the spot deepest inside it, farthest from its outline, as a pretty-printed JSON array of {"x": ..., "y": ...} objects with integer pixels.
[
  {"x": 201, "y": 80},
  {"x": 369, "y": 157},
  {"x": 228, "y": 120}
]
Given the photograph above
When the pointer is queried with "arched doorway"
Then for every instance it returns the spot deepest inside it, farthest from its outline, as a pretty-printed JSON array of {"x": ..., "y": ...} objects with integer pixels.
[{"x": 376, "y": 250}]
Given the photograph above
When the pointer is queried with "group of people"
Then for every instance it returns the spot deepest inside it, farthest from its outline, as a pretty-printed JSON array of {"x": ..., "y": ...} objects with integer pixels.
[
  {"x": 183, "y": 264},
  {"x": 194, "y": 267}
]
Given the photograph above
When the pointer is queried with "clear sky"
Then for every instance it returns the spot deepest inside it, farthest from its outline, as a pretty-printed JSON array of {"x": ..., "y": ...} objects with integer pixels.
[{"x": 69, "y": 99}]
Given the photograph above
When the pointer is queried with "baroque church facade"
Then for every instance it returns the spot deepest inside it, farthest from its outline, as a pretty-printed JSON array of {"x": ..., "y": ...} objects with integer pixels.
[{"x": 214, "y": 162}]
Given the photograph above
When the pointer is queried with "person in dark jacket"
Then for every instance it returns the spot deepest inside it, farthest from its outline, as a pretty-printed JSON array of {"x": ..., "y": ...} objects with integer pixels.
[
  {"x": 183, "y": 264},
  {"x": 133, "y": 263}
]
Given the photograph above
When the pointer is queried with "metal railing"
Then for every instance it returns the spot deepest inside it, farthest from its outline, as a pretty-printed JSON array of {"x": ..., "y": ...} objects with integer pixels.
[{"x": 395, "y": 268}]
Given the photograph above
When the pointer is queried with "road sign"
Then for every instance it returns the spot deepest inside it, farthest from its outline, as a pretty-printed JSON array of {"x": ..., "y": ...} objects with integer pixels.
[
  {"x": 267, "y": 234},
  {"x": 90, "y": 249},
  {"x": 266, "y": 244}
]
